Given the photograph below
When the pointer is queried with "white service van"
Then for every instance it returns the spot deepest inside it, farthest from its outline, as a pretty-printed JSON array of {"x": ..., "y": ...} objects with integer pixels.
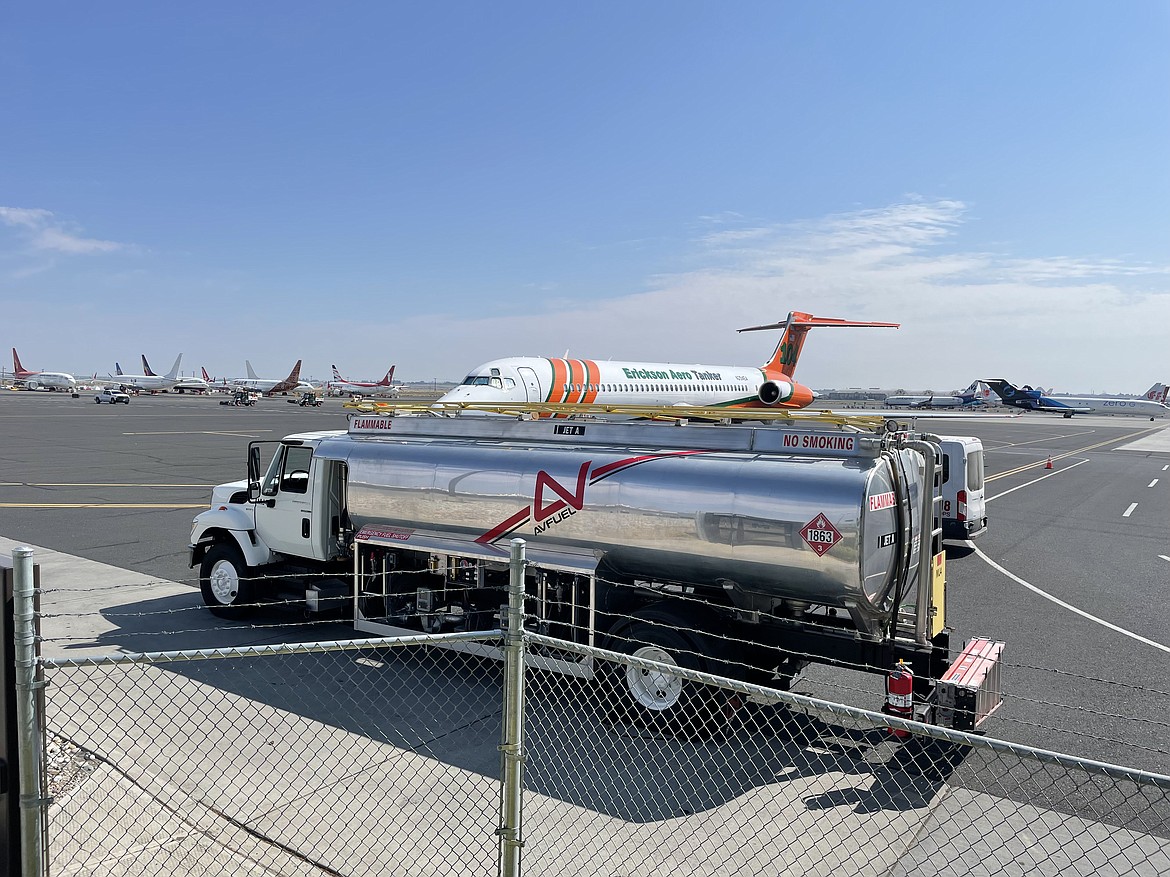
[{"x": 964, "y": 508}]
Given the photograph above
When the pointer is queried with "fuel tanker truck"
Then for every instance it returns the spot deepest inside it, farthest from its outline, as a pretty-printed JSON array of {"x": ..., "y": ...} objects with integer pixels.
[{"x": 744, "y": 550}]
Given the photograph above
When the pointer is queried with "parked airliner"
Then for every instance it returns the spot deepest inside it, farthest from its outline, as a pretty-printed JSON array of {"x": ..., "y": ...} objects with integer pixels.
[
  {"x": 40, "y": 380},
  {"x": 974, "y": 395},
  {"x": 268, "y": 386},
  {"x": 535, "y": 379},
  {"x": 384, "y": 387},
  {"x": 182, "y": 385},
  {"x": 1035, "y": 400},
  {"x": 151, "y": 382}
]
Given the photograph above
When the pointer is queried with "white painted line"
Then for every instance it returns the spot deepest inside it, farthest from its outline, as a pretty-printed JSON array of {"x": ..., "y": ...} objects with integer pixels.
[
  {"x": 1167, "y": 466},
  {"x": 1129, "y": 511},
  {"x": 1152, "y": 483},
  {"x": 1037, "y": 480},
  {"x": 1164, "y": 557},
  {"x": 1068, "y": 606}
]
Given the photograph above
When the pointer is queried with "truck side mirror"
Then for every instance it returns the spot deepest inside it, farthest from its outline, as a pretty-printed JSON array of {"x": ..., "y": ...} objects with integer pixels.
[{"x": 253, "y": 473}]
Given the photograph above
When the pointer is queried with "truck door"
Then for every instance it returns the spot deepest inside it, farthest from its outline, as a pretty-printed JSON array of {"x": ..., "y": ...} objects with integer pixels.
[
  {"x": 284, "y": 514},
  {"x": 531, "y": 384}
]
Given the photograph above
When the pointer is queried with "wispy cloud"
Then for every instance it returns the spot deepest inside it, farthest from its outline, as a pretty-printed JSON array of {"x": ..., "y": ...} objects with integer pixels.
[
  {"x": 961, "y": 310},
  {"x": 44, "y": 232}
]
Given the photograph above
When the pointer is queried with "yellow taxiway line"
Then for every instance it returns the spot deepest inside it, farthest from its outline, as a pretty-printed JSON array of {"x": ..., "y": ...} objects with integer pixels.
[{"x": 1061, "y": 456}]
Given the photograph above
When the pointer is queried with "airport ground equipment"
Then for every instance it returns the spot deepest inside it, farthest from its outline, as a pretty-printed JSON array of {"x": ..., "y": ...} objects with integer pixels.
[
  {"x": 240, "y": 397},
  {"x": 963, "y": 507},
  {"x": 745, "y": 550},
  {"x": 307, "y": 399}
]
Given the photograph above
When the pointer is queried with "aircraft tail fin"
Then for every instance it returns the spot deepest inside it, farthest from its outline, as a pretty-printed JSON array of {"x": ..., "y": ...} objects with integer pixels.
[
  {"x": 1157, "y": 393},
  {"x": 787, "y": 353},
  {"x": 1002, "y": 388},
  {"x": 389, "y": 379},
  {"x": 252, "y": 376},
  {"x": 206, "y": 376},
  {"x": 17, "y": 368},
  {"x": 146, "y": 368},
  {"x": 174, "y": 372},
  {"x": 337, "y": 375},
  {"x": 118, "y": 369},
  {"x": 289, "y": 383}
]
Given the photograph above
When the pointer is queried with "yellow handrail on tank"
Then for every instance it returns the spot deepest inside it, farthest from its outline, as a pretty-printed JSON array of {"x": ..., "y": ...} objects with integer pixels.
[{"x": 577, "y": 410}]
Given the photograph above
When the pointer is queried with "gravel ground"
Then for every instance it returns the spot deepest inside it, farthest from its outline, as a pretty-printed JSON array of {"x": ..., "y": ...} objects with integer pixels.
[{"x": 67, "y": 765}]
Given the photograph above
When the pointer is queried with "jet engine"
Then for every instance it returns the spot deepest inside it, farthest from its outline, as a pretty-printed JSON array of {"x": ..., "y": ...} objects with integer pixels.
[{"x": 774, "y": 392}]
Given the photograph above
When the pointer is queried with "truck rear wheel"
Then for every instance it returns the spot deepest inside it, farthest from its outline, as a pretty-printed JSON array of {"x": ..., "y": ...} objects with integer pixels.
[
  {"x": 224, "y": 580},
  {"x": 657, "y": 699}
]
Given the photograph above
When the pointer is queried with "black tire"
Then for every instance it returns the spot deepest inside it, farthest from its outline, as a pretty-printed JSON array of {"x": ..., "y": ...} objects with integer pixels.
[
  {"x": 226, "y": 582},
  {"x": 656, "y": 700},
  {"x": 97, "y": 400}
]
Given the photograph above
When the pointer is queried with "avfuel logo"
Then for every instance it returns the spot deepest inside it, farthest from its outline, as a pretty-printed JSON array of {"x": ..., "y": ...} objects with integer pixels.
[
  {"x": 545, "y": 515},
  {"x": 555, "y": 501}
]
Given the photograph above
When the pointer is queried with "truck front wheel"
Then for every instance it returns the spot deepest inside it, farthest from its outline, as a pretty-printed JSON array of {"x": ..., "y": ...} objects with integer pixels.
[{"x": 225, "y": 582}]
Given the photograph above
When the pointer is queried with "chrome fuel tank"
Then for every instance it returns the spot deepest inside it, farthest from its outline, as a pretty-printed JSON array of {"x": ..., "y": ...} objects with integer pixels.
[{"x": 764, "y": 522}]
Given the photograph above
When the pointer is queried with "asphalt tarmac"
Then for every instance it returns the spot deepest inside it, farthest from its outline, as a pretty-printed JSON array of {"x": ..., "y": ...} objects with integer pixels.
[{"x": 1073, "y": 573}]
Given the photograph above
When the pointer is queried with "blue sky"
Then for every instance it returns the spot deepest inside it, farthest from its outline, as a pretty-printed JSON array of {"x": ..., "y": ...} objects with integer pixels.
[{"x": 439, "y": 184}]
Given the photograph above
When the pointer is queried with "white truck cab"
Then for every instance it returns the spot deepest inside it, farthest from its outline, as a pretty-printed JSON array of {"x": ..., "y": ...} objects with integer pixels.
[{"x": 293, "y": 513}]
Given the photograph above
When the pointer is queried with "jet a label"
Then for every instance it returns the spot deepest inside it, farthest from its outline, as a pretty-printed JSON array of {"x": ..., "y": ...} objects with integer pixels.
[{"x": 569, "y": 429}]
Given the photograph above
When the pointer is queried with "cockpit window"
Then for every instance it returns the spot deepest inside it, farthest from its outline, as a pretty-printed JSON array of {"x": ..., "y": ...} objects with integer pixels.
[{"x": 483, "y": 381}]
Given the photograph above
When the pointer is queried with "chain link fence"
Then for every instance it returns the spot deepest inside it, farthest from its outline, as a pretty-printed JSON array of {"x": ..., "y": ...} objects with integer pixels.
[
  {"x": 752, "y": 781},
  {"x": 327, "y": 758},
  {"x": 412, "y": 755}
]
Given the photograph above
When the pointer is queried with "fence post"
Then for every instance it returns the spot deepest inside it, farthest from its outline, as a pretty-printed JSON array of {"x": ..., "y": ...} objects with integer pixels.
[
  {"x": 512, "y": 746},
  {"x": 31, "y": 802}
]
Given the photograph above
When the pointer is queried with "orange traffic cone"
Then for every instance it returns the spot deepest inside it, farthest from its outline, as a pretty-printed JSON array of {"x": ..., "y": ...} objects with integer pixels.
[{"x": 1048, "y": 465}]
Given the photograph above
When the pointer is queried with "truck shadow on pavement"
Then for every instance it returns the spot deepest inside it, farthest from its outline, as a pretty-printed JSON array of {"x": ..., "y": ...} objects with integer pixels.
[{"x": 447, "y": 706}]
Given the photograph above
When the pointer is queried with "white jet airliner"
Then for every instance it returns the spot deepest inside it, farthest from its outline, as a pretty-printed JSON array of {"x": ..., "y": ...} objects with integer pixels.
[
  {"x": 534, "y": 379},
  {"x": 183, "y": 384},
  {"x": 1150, "y": 405},
  {"x": 41, "y": 380},
  {"x": 384, "y": 387},
  {"x": 269, "y": 386},
  {"x": 975, "y": 395},
  {"x": 150, "y": 382}
]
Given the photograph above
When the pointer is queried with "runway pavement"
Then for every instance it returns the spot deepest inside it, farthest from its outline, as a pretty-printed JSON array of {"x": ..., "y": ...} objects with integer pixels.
[{"x": 1073, "y": 573}]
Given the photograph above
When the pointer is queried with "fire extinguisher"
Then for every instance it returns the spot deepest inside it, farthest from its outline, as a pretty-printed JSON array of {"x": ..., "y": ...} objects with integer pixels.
[{"x": 900, "y": 696}]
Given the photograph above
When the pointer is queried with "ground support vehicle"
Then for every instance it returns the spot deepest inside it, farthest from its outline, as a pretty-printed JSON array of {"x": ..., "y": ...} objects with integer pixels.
[
  {"x": 109, "y": 394},
  {"x": 240, "y": 398},
  {"x": 963, "y": 507},
  {"x": 743, "y": 550},
  {"x": 307, "y": 399}
]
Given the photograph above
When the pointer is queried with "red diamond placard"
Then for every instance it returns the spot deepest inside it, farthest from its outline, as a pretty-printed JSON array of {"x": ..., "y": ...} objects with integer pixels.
[{"x": 820, "y": 535}]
